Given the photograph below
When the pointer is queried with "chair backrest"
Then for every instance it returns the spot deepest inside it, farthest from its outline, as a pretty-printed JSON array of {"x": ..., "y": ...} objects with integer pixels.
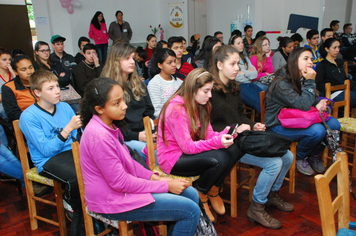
[
  {"x": 263, "y": 105},
  {"x": 346, "y": 68},
  {"x": 341, "y": 203},
  {"x": 23, "y": 149},
  {"x": 151, "y": 146},
  {"x": 345, "y": 103}
]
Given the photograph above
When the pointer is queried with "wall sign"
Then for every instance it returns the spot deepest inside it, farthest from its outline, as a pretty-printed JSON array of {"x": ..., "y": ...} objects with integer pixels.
[{"x": 176, "y": 15}]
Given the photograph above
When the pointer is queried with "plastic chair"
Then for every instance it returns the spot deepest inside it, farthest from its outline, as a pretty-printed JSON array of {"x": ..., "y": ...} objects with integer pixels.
[
  {"x": 293, "y": 147},
  {"x": 341, "y": 203},
  {"x": 31, "y": 175},
  {"x": 87, "y": 215},
  {"x": 348, "y": 124}
]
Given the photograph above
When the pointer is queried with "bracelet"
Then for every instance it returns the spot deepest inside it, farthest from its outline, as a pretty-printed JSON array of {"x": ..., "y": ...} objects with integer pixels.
[{"x": 65, "y": 131}]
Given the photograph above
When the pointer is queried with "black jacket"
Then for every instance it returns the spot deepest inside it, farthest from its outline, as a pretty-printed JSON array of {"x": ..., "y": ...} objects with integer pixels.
[
  {"x": 227, "y": 109},
  {"x": 327, "y": 72}
]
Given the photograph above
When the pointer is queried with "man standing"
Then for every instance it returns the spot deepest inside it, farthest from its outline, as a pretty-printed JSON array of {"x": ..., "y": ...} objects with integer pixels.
[
  {"x": 59, "y": 56},
  {"x": 120, "y": 29}
]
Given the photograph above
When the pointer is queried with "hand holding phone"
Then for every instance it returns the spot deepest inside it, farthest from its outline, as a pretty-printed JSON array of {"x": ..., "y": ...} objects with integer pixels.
[{"x": 233, "y": 129}]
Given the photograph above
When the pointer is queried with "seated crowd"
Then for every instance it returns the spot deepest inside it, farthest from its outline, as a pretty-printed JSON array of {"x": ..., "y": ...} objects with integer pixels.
[{"x": 187, "y": 89}]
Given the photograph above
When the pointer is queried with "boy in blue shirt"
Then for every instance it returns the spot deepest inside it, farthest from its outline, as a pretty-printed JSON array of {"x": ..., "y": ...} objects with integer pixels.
[
  {"x": 313, "y": 41},
  {"x": 50, "y": 126}
]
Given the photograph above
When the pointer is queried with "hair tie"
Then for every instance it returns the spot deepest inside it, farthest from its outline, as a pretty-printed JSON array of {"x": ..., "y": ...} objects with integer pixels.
[{"x": 205, "y": 72}]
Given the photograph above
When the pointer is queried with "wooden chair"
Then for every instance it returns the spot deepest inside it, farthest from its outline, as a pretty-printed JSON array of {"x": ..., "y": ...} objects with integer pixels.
[
  {"x": 234, "y": 185},
  {"x": 293, "y": 147},
  {"x": 87, "y": 215},
  {"x": 341, "y": 203},
  {"x": 152, "y": 146},
  {"x": 247, "y": 183},
  {"x": 30, "y": 176},
  {"x": 249, "y": 111},
  {"x": 348, "y": 124}
]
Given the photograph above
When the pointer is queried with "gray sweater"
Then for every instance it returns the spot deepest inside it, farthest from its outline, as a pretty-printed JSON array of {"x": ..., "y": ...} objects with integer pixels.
[
  {"x": 278, "y": 62},
  {"x": 249, "y": 75}
]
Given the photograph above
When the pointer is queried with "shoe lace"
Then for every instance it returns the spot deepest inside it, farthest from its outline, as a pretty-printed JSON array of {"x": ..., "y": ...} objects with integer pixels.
[{"x": 305, "y": 163}]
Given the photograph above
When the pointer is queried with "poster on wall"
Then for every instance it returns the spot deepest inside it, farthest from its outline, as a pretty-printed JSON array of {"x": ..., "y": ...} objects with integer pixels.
[{"x": 176, "y": 15}]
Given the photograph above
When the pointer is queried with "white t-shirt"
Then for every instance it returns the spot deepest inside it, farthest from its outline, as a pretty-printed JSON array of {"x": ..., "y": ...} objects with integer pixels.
[{"x": 161, "y": 90}]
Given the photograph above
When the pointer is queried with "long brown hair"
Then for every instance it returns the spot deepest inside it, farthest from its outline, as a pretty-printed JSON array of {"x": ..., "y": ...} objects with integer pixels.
[
  {"x": 38, "y": 58},
  {"x": 220, "y": 55},
  {"x": 199, "y": 115},
  {"x": 257, "y": 51},
  {"x": 292, "y": 70},
  {"x": 112, "y": 70}
]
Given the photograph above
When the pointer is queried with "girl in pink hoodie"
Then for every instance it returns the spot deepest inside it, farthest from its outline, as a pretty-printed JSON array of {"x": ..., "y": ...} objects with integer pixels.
[
  {"x": 117, "y": 186},
  {"x": 187, "y": 144},
  {"x": 99, "y": 33}
]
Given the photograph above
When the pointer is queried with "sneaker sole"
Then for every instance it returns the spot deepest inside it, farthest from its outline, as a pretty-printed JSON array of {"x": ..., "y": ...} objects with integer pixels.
[{"x": 305, "y": 173}]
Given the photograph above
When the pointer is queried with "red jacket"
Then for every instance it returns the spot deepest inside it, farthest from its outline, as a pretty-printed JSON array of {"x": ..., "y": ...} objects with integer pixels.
[{"x": 100, "y": 36}]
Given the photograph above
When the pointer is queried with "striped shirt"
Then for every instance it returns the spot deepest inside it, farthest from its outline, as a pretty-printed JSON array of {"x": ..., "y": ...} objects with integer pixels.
[{"x": 161, "y": 90}]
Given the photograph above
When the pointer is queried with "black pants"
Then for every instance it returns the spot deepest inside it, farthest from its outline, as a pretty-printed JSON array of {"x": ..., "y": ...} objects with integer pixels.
[
  {"x": 212, "y": 166},
  {"x": 61, "y": 168}
]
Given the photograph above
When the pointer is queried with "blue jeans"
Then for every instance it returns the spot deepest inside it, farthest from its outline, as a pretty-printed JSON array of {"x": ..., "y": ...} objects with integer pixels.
[
  {"x": 102, "y": 50},
  {"x": 3, "y": 138},
  {"x": 309, "y": 138},
  {"x": 138, "y": 146},
  {"x": 183, "y": 209},
  {"x": 274, "y": 169},
  {"x": 10, "y": 165},
  {"x": 250, "y": 94},
  {"x": 262, "y": 86}
]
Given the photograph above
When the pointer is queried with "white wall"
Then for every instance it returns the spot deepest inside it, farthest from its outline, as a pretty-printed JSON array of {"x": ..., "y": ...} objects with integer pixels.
[
  {"x": 335, "y": 10},
  {"x": 12, "y": 2},
  {"x": 72, "y": 26}
]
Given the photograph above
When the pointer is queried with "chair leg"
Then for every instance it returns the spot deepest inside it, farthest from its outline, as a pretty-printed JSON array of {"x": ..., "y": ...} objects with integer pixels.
[
  {"x": 162, "y": 229},
  {"x": 292, "y": 169},
  {"x": 31, "y": 204},
  {"x": 58, "y": 191},
  {"x": 233, "y": 191},
  {"x": 353, "y": 169},
  {"x": 123, "y": 229}
]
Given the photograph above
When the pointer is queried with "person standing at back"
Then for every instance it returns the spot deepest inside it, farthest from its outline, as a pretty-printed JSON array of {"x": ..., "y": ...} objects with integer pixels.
[
  {"x": 99, "y": 33},
  {"x": 120, "y": 28}
]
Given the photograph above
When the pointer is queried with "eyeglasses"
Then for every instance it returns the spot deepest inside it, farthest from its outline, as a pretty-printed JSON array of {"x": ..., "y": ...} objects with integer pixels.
[
  {"x": 45, "y": 50},
  {"x": 265, "y": 45}
]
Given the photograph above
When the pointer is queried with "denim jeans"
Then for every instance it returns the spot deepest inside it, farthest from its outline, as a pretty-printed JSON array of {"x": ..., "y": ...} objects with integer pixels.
[
  {"x": 262, "y": 86},
  {"x": 183, "y": 209},
  {"x": 102, "y": 50},
  {"x": 138, "y": 146},
  {"x": 274, "y": 169},
  {"x": 250, "y": 94},
  {"x": 309, "y": 138},
  {"x": 10, "y": 165},
  {"x": 3, "y": 138}
]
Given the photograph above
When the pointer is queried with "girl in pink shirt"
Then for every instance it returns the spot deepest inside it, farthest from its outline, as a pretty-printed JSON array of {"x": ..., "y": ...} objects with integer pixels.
[
  {"x": 261, "y": 60},
  {"x": 116, "y": 185},
  {"x": 187, "y": 144},
  {"x": 99, "y": 33}
]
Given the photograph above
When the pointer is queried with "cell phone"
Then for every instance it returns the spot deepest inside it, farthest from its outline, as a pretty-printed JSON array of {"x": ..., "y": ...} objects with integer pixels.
[{"x": 233, "y": 129}]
